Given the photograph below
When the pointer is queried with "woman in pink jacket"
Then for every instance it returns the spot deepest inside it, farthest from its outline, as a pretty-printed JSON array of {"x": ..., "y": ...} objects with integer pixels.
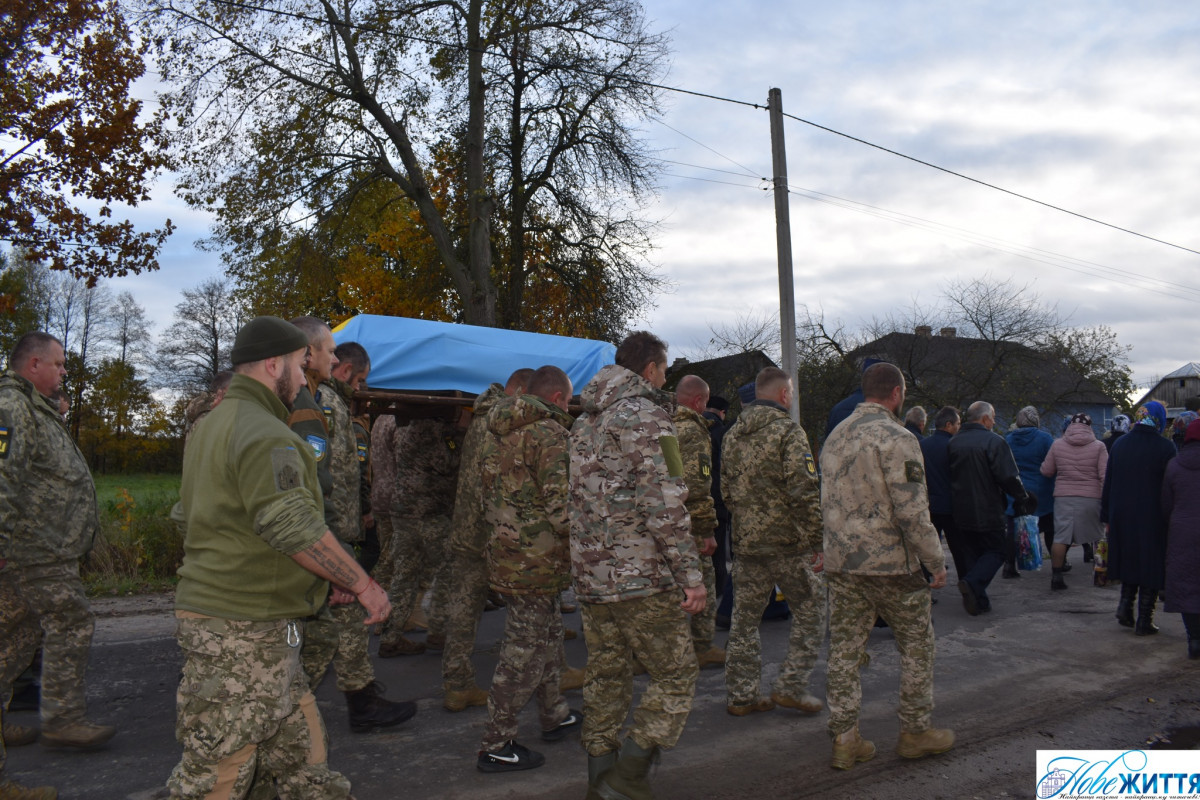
[{"x": 1077, "y": 461}]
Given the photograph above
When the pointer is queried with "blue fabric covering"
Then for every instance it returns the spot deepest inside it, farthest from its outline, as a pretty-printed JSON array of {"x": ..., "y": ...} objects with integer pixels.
[{"x": 418, "y": 354}]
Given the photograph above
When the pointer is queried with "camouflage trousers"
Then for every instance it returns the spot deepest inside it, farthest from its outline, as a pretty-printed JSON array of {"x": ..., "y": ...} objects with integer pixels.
[
  {"x": 754, "y": 578},
  {"x": 383, "y": 529},
  {"x": 466, "y": 597},
  {"x": 337, "y": 635},
  {"x": 244, "y": 707},
  {"x": 704, "y": 624},
  {"x": 420, "y": 554},
  {"x": 903, "y": 603},
  {"x": 531, "y": 662},
  {"x": 654, "y": 630},
  {"x": 46, "y": 605}
]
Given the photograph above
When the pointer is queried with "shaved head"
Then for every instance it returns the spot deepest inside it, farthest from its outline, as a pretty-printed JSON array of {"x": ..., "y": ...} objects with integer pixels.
[{"x": 692, "y": 392}]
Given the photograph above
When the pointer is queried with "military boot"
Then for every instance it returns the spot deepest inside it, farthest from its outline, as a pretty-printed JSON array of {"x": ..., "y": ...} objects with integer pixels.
[
  {"x": 82, "y": 735},
  {"x": 400, "y": 646},
  {"x": 572, "y": 678},
  {"x": 15, "y": 791},
  {"x": 1125, "y": 605},
  {"x": 850, "y": 748},
  {"x": 18, "y": 735},
  {"x": 627, "y": 779},
  {"x": 1145, "y": 620},
  {"x": 597, "y": 766},
  {"x": 711, "y": 656},
  {"x": 462, "y": 699},
  {"x": 369, "y": 709},
  {"x": 928, "y": 742}
]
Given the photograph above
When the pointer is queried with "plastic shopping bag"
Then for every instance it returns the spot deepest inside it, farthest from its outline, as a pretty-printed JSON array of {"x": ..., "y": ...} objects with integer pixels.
[{"x": 1029, "y": 542}]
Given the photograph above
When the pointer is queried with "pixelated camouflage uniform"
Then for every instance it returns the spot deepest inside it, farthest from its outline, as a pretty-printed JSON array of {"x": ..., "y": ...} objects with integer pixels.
[
  {"x": 524, "y": 492},
  {"x": 877, "y": 537},
  {"x": 383, "y": 489},
  {"x": 337, "y": 634},
  {"x": 427, "y": 459},
  {"x": 469, "y": 532},
  {"x": 695, "y": 448},
  {"x": 769, "y": 482},
  {"x": 631, "y": 553},
  {"x": 48, "y": 520},
  {"x": 308, "y": 420}
]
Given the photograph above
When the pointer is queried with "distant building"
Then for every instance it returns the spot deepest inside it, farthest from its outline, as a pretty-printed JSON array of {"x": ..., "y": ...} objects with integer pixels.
[
  {"x": 724, "y": 375},
  {"x": 1175, "y": 389}
]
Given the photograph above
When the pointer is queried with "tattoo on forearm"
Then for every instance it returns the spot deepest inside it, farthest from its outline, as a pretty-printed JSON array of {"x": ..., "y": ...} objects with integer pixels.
[{"x": 339, "y": 572}]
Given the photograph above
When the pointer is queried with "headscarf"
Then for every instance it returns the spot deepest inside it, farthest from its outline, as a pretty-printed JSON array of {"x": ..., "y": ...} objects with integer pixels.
[
  {"x": 1179, "y": 428},
  {"x": 1081, "y": 417},
  {"x": 1028, "y": 417},
  {"x": 1193, "y": 432},
  {"x": 1119, "y": 424},
  {"x": 1153, "y": 414}
]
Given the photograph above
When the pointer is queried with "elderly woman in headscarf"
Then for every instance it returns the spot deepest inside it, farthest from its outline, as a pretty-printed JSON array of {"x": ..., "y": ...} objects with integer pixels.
[
  {"x": 1118, "y": 427},
  {"x": 1179, "y": 427},
  {"x": 1181, "y": 505},
  {"x": 1077, "y": 462},
  {"x": 1029, "y": 445},
  {"x": 1132, "y": 508}
]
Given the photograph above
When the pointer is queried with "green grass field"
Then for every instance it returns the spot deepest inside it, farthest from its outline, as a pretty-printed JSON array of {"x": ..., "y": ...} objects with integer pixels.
[{"x": 138, "y": 548}]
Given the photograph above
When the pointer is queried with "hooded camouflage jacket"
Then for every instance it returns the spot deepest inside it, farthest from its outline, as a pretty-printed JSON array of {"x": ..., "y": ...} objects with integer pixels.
[
  {"x": 874, "y": 498},
  {"x": 469, "y": 531},
  {"x": 524, "y": 490},
  {"x": 769, "y": 482},
  {"x": 630, "y": 530},
  {"x": 426, "y": 459},
  {"x": 47, "y": 498},
  {"x": 695, "y": 448},
  {"x": 343, "y": 505}
]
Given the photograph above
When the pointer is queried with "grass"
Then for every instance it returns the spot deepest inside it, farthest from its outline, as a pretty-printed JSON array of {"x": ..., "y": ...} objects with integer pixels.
[{"x": 138, "y": 548}]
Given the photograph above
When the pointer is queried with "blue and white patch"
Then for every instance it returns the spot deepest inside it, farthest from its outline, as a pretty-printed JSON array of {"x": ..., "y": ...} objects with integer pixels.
[{"x": 318, "y": 445}]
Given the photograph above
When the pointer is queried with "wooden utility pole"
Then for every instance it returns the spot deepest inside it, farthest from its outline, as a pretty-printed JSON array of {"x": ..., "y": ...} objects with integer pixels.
[{"x": 783, "y": 245}]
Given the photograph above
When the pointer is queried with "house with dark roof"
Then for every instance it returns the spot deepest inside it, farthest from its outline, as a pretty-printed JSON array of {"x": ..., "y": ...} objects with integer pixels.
[
  {"x": 951, "y": 370},
  {"x": 724, "y": 375},
  {"x": 1175, "y": 389}
]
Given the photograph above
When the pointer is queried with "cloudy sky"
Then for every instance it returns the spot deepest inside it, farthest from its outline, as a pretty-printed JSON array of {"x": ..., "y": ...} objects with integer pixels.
[{"x": 1090, "y": 105}]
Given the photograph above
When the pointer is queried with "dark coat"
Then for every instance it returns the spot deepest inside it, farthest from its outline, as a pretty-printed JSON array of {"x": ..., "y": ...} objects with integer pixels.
[
  {"x": 1132, "y": 507},
  {"x": 982, "y": 472},
  {"x": 717, "y": 432},
  {"x": 1181, "y": 506},
  {"x": 843, "y": 409},
  {"x": 1029, "y": 448},
  {"x": 937, "y": 472}
]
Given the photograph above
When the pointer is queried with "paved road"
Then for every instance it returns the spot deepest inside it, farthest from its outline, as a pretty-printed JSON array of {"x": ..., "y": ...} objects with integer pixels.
[{"x": 1048, "y": 671}]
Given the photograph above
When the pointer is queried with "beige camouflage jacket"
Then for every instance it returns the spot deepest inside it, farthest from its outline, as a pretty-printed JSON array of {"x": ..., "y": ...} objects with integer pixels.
[
  {"x": 426, "y": 458},
  {"x": 343, "y": 506},
  {"x": 630, "y": 529},
  {"x": 769, "y": 482},
  {"x": 874, "y": 498},
  {"x": 524, "y": 489},
  {"x": 695, "y": 448},
  {"x": 47, "y": 498},
  {"x": 469, "y": 531}
]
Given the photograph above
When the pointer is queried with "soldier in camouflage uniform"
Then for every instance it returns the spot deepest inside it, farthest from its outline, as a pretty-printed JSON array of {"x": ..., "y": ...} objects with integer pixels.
[
  {"x": 427, "y": 459},
  {"x": 524, "y": 491},
  {"x": 695, "y": 448},
  {"x": 48, "y": 520},
  {"x": 383, "y": 487},
  {"x": 769, "y": 481},
  {"x": 257, "y": 558},
  {"x": 632, "y": 555},
  {"x": 337, "y": 634},
  {"x": 877, "y": 538},
  {"x": 469, "y": 533}
]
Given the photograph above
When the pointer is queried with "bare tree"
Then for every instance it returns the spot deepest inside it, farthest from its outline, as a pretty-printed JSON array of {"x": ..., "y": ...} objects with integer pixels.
[
  {"x": 748, "y": 332},
  {"x": 196, "y": 346}
]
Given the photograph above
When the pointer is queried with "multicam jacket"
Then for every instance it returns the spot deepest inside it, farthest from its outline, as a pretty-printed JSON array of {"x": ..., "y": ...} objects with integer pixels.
[
  {"x": 874, "y": 498},
  {"x": 630, "y": 530},
  {"x": 47, "y": 498},
  {"x": 427, "y": 458},
  {"x": 469, "y": 531},
  {"x": 344, "y": 470},
  {"x": 695, "y": 448},
  {"x": 524, "y": 489},
  {"x": 769, "y": 482}
]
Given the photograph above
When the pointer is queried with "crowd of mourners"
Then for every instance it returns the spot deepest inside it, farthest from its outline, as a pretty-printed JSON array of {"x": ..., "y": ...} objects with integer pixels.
[{"x": 308, "y": 525}]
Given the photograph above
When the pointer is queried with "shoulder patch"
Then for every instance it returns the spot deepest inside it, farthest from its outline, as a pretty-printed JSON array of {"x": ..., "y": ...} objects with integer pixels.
[
  {"x": 810, "y": 464},
  {"x": 670, "y": 451},
  {"x": 286, "y": 467},
  {"x": 318, "y": 445},
  {"x": 705, "y": 465},
  {"x": 914, "y": 472},
  {"x": 450, "y": 443},
  {"x": 4, "y": 433},
  {"x": 328, "y": 412},
  {"x": 362, "y": 452}
]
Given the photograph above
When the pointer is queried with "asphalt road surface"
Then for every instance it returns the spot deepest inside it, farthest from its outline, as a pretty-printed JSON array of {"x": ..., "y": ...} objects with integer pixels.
[{"x": 1043, "y": 671}]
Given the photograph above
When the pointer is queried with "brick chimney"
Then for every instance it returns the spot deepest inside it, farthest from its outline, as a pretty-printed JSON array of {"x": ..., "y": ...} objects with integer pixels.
[
  {"x": 924, "y": 331},
  {"x": 949, "y": 333}
]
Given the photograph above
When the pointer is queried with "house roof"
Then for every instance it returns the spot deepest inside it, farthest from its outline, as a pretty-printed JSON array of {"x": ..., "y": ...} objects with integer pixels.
[
  {"x": 723, "y": 375},
  {"x": 1188, "y": 370}
]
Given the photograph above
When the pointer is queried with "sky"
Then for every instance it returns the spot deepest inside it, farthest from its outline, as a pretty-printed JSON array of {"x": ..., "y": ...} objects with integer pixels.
[{"x": 1090, "y": 105}]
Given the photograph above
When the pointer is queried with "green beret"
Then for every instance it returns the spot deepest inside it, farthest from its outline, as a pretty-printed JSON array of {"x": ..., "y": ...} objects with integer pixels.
[{"x": 266, "y": 337}]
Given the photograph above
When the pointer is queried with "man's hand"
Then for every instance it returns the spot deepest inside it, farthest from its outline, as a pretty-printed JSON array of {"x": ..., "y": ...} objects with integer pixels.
[
  {"x": 368, "y": 519},
  {"x": 339, "y": 596},
  {"x": 375, "y": 600},
  {"x": 939, "y": 579},
  {"x": 694, "y": 599},
  {"x": 818, "y": 562},
  {"x": 710, "y": 546}
]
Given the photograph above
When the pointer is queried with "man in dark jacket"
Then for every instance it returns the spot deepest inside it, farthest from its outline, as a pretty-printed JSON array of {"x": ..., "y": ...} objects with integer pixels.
[
  {"x": 715, "y": 413},
  {"x": 982, "y": 472},
  {"x": 935, "y": 452}
]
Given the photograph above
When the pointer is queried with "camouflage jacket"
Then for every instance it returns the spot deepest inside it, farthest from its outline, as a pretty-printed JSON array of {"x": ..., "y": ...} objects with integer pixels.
[
  {"x": 343, "y": 506},
  {"x": 874, "y": 499},
  {"x": 383, "y": 463},
  {"x": 524, "y": 488},
  {"x": 695, "y": 448},
  {"x": 769, "y": 482},
  {"x": 630, "y": 530},
  {"x": 362, "y": 438},
  {"x": 469, "y": 531},
  {"x": 309, "y": 422},
  {"x": 47, "y": 498},
  {"x": 426, "y": 458}
]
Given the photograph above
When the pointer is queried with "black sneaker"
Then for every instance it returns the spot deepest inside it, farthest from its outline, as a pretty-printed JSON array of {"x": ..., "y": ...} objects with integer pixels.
[
  {"x": 573, "y": 720},
  {"x": 510, "y": 758}
]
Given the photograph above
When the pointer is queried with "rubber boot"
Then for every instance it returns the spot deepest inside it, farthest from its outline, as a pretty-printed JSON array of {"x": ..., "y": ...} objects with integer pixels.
[
  {"x": 1088, "y": 553},
  {"x": 597, "y": 766},
  {"x": 627, "y": 779},
  {"x": 1145, "y": 620},
  {"x": 1057, "y": 584},
  {"x": 1125, "y": 606},
  {"x": 369, "y": 709}
]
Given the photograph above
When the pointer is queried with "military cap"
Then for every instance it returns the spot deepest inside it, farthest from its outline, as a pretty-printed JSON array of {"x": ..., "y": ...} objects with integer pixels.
[{"x": 266, "y": 337}]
